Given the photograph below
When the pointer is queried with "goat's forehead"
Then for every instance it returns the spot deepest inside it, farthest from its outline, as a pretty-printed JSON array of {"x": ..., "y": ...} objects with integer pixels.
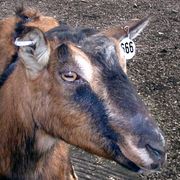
[
  {"x": 96, "y": 43},
  {"x": 102, "y": 51}
]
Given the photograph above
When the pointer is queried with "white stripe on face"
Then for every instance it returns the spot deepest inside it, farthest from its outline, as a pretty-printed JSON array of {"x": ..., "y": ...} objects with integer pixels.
[
  {"x": 136, "y": 154},
  {"x": 142, "y": 154},
  {"x": 85, "y": 65}
]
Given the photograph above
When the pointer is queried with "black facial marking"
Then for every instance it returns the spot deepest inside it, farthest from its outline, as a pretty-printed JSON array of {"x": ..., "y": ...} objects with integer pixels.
[
  {"x": 91, "y": 104},
  {"x": 63, "y": 53},
  {"x": 121, "y": 91},
  {"x": 103, "y": 54}
]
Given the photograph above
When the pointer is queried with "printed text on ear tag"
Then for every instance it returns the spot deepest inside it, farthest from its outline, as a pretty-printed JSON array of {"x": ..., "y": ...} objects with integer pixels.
[{"x": 128, "y": 47}]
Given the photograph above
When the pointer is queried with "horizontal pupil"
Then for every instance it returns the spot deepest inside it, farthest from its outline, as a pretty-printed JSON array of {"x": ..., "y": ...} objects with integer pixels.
[{"x": 69, "y": 76}]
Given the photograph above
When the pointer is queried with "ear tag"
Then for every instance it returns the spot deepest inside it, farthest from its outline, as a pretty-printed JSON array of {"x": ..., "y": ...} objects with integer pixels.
[
  {"x": 24, "y": 43},
  {"x": 128, "y": 46}
]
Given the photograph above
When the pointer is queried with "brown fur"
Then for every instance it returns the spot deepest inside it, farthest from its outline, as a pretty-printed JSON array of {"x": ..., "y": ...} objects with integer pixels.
[
  {"x": 7, "y": 27},
  {"x": 7, "y": 48},
  {"x": 57, "y": 164}
]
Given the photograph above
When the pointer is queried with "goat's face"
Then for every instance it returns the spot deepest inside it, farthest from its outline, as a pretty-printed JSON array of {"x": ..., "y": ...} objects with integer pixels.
[{"x": 91, "y": 103}]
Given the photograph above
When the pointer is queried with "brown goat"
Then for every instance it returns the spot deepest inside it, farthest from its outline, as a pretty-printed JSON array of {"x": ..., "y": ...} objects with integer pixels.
[
  {"x": 70, "y": 86},
  {"x": 58, "y": 160}
]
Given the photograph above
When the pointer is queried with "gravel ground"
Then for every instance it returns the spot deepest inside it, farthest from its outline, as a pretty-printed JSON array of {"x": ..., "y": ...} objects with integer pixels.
[{"x": 155, "y": 70}]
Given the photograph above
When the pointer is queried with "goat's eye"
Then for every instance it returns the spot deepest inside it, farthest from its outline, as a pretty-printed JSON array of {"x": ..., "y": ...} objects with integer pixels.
[{"x": 69, "y": 76}]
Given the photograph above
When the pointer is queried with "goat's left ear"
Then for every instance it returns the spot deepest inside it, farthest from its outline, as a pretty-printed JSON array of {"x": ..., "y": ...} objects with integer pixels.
[
  {"x": 34, "y": 51},
  {"x": 132, "y": 30}
]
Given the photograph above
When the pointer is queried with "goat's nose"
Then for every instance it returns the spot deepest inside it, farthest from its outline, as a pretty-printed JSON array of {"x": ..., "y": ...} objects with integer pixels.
[{"x": 158, "y": 154}]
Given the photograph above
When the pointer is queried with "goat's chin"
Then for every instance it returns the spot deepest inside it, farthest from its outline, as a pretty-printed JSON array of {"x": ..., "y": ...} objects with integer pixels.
[
  {"x": 131, "y": 167},
  {"x": 127, "y": 165}
]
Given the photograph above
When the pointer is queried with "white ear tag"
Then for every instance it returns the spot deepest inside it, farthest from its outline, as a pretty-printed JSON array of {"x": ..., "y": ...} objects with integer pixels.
[
  {"x": 23, "y": 43},
  {"x": 128, "y": 47}
]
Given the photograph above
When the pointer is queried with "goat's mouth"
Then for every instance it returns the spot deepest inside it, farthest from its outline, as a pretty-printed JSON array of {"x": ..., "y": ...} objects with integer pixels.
[
  {"x": 141, "y": 160},
  {"x": 131, "y": 166},
  {"x": 126, "y": 163},
  {"x": 134, "y": 168}
]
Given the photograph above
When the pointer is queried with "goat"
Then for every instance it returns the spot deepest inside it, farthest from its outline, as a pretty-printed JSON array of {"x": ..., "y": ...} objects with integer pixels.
[
  {"x": 70, "y": 86},
  {"x": 10, "y": 28}
]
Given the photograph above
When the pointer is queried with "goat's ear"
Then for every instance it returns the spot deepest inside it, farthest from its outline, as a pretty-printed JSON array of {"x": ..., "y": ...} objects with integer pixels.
[
  {"x": 34, "y": 51},
  {"x": 132, "y": 30}
]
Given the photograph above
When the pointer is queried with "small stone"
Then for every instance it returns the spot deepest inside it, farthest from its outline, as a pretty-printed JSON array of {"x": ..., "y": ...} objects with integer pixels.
[
  {"x": 163, "y": 51},
  {"x": 135, "y": 5},
  {"x": 174, "y": 11},
  {"x": 160, "y": 33}
]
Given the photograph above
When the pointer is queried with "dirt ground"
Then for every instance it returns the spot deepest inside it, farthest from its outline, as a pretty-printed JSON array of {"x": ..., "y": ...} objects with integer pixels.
[{"x": 155, "y": 70}]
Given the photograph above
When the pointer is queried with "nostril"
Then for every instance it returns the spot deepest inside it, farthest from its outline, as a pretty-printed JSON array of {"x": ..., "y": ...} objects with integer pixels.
[
  {"x": 155, "y": 166},
  {"x": 157, "y": 153}
]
